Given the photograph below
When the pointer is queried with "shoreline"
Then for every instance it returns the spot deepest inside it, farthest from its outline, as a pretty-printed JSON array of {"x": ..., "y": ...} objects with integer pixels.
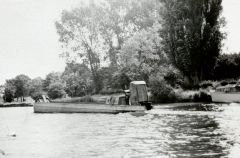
[{"x": 15, "y": 104}]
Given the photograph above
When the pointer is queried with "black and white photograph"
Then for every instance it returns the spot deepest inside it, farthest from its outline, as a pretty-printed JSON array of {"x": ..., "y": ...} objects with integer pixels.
[{"x": 119, "y": 79}]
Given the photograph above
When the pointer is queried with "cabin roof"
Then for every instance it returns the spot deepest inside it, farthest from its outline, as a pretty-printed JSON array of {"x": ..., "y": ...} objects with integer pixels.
[{"x": 138, "y": 82}]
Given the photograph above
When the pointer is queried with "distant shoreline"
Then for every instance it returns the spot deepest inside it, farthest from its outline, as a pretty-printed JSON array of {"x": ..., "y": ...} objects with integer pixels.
[{"x": 15, "y": 104}]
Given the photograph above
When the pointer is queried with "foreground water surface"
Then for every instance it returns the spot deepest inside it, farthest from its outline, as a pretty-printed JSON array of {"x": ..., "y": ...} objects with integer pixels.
[{"x": 161, "y": 132}]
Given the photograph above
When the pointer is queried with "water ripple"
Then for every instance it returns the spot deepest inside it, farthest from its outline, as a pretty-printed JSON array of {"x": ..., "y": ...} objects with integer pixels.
[{"x": 179, "y": 132}]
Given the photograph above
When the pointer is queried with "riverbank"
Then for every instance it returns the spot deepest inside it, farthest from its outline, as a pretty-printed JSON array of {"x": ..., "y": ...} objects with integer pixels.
[
  {"x": 178, "y": 96},
  {"x": 181, "y": 97},
  {"x": 15, "y": 104}
]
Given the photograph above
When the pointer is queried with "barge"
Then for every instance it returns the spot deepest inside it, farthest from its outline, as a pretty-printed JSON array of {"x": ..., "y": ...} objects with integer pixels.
[
  {"x": 85, "y": 108},
  {"x": 134, "y": 100}
]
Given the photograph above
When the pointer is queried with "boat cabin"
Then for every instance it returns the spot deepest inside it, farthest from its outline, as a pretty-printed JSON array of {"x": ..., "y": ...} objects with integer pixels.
[{"x": 136, "y": 95}]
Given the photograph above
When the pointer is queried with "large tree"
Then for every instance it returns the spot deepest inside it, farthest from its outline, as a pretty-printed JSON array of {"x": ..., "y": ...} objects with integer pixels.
[
  {"x": 52, "y": 77},
  {"x": 123, "y": 19},
  {"x": 142, "y": 54},
  {"x": 191, "y": 35},
  {"x": 22, "y": 86},
  {"x": 96, "y": 33},
  {"x": 77, "y": 79},
  {"x": 79, "y": 35},
  {"x": 36, "y": 88},
  {"x": 9, "y": 91},
  {"x": 56, "y": 90}
]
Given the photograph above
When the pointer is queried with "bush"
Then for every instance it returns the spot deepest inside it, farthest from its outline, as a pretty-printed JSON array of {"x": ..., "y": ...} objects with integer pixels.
[
  {"x": 86, "y": 99},
  {"x": 8, "y": 95},
  {"x": 36, "y": 95},
  {"x": 56, "y": 90},
  {"x": 224, "y": 83},
  {"x": 173, "y": 78},
  {"x": 120, "y": 80},
  {"x": 187, "y": 85},
  {"x": 227, "y": 66},
  {"x": 161, "y": 91},
  {"x": 202, "y": 97}
]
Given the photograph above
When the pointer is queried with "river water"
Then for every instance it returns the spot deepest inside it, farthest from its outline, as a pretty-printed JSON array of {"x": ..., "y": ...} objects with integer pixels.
[{"x": 161, "y": 132}]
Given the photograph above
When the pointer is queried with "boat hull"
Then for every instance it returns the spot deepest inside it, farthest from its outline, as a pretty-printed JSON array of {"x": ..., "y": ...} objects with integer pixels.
[
  {"x": 222, "y": 97},
  {"x": 84, "y": 108}
]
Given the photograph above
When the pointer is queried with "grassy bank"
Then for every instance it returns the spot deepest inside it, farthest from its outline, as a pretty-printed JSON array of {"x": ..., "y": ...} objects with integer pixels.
[
  {"x": 180, "y": 95},
  {"x": 177, "y": 96}
]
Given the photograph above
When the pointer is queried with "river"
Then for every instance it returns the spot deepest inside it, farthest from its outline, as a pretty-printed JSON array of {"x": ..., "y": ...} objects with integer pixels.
[{"x": 161, "y": 132}]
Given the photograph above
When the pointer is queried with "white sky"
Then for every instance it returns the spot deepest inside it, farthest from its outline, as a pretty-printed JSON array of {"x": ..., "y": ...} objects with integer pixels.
[
  {"x": 231, "y": 12},
  {"x": 29, "y": 42}
]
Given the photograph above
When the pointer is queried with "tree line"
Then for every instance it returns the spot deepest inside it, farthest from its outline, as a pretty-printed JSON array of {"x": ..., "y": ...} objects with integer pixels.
[
  {"x": 227, "y": 67},
  {"x": 74, "y": 81},
  {"x": 167, "y": 43},
  {"x": 144, "y": 40}
]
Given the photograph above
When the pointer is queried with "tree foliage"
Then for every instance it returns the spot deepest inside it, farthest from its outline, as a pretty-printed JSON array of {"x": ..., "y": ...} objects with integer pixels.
[
  {"x": 192, "y": 36},
  {"x": 160, "y": 90},
  {"x": 96, "y": 33},
  {"x": 110, "y": 43},
  {"x": 56, "y": 90},
  {"x": 227, "y": 67},
  {"x": 142, "y": 54},
  {"x": 9, "y": 91},
  {"x": 36, "y": 88},
  {"x": 22, "y": 86},
  {"x": 52, "y": 77},
  {"x": 79, "y": 34},
  {"x": 120, "y": 79},
  {"x": 17, "y": 87},
  {"x": 77, "y": 79}
]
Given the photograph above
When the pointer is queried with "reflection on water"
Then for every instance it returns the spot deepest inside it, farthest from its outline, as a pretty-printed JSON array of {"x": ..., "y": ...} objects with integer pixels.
[{"x": 168, "y": 132}]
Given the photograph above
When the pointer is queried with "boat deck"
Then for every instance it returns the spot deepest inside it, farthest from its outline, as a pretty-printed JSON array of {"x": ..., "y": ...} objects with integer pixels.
[{"x": 84, "y": 108}]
